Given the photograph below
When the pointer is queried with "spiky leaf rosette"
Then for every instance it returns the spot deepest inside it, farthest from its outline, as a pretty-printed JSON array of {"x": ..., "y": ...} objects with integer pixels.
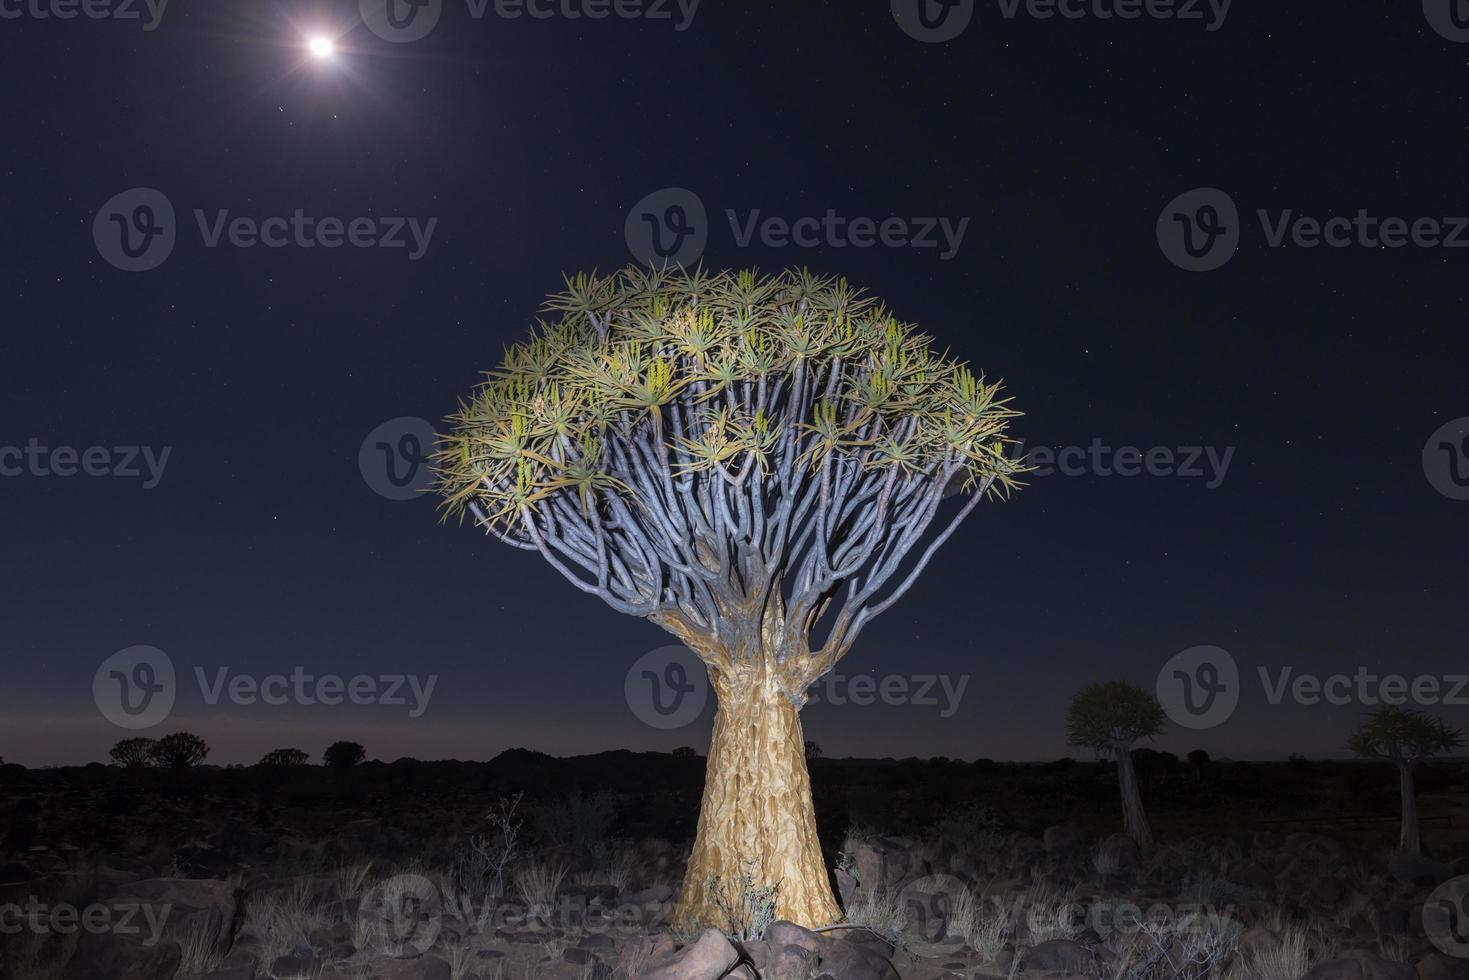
[
  {"x": 1111, "y": 715},
  {"x": 702, "y": 448},
  {"x": 1402, "y": 735}
]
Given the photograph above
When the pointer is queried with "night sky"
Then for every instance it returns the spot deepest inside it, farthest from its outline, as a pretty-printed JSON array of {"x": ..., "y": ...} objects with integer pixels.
[{"x": 1325, "y": 548}]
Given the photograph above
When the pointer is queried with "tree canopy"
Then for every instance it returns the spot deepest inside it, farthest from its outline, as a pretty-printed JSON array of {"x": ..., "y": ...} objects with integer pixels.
[
  {"x": 1401, "y": 735},
  {"x": 1112, "y": 715},
  {"x": 698, "y": 448}
]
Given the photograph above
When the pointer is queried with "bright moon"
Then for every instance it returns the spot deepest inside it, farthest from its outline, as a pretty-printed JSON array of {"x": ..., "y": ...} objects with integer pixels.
[{"x": 322, "y": 47}]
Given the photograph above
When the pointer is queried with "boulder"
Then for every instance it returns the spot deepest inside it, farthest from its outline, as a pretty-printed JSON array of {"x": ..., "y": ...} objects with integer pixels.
[
  {"x": 200, "y": 906},
  {"x": 1120, "y": 851},
  {"x": 856, "y": 961},
  {"x": 880, "y": 863},
  {"x": 790, "y": 963},
  {"x": 708, "y": 958},
  {"x": 781, "y": 933},
  {"x": 1361, "y": 968},
  {"x": 418, "y": 968},
  {"x": 1063, "y": 837},
  {"x": 109, "y": 956},
  {"x": 643, "y": 950},
  {"x": 1441, "y": 966},
  {"x": 1058, "y": 956}
]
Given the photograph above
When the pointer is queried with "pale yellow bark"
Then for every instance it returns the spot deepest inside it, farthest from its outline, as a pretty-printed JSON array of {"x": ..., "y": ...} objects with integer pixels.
[{"x": 757, "y": 817}]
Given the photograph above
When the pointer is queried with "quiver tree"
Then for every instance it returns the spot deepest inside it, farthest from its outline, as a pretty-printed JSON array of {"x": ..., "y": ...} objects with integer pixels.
[
  {"x": 1404, "y": 738},
  {"x": 343, "y": 755},
  {"x": 751, "y": 463},
  {"x": 179, "y": 751},
  {"x": 1110, "y": 717},
  {"x": 132, "y": 753}
]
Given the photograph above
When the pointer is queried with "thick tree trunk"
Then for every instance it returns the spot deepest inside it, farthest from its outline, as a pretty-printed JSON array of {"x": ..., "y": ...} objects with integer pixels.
[
  {"x": 1134, "y": 820},
  {"x": 756, "y": 819},
  {"x": 1408, "y": 841}
]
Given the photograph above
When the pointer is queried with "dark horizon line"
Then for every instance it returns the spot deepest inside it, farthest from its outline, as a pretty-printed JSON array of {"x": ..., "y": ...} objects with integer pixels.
[{"x": 1282, "y": 760}]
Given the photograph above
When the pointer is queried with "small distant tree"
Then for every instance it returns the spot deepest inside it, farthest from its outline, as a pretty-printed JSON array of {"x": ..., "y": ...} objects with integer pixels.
[
  {"x": 1110, "y": 717},
  {"x": 178, "y": 751},
  {"x": 813, "y": 751},
  {"x": 1198, "y": 761},
  {"x": 684, "y": 752},
  {"x": 1404, "y": 737},
  {"x": 343, "y": 755},
  {"x": 132, "y": 753},
  {"x": 284, "y": 758}
]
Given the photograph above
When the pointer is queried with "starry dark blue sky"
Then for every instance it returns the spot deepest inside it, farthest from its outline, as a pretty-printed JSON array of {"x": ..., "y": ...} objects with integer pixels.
[{"x": 262, "y": 548}]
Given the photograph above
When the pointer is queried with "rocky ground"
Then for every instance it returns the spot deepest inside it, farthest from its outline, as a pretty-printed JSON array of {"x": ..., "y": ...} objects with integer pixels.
[
  {"x": 997, "y": 904},
  {"x": 524, "y": 888}
]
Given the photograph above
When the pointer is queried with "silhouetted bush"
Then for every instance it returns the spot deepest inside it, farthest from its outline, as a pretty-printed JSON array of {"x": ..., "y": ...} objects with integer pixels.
[
  {"x": 132, "y": 753},
  {"x": 284, "y": 758},
  {"x": 343, "y": 755},
  {"x": 180, "y": 750}
]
